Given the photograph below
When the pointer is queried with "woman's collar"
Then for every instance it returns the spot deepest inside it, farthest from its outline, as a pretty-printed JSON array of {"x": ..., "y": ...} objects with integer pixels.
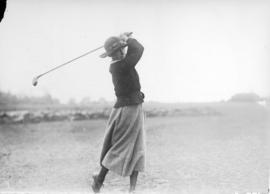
[{"x": 114, "y": 61}]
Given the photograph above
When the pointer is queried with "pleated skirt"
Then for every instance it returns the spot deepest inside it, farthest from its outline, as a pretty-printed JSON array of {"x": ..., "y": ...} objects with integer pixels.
[{"x": 123, "y": 149}]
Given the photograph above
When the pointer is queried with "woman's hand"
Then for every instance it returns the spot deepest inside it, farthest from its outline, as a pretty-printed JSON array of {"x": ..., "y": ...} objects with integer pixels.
[{"x": 125, "y": 36}]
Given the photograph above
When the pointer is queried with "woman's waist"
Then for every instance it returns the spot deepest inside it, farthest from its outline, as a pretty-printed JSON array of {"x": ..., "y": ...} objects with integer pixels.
[{"x": 136, "y": 97}]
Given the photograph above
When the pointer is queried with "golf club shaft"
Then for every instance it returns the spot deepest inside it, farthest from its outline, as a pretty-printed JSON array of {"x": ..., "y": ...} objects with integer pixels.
[{"x": 57, "y": 67}]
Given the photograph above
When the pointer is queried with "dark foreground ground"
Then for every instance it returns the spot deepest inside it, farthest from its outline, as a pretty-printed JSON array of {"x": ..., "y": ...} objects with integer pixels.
[{"x": 201, "y": 154}]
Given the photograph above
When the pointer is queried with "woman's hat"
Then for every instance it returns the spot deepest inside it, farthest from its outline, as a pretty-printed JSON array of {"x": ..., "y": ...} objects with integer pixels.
[{"x": 111, "y": 45}]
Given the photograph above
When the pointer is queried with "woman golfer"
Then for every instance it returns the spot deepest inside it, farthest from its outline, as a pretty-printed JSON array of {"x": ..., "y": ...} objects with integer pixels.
[{"x": 123, "y": 150}]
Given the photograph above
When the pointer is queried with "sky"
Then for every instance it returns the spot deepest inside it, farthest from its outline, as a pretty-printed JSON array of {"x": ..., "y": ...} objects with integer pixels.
[{"x": 194, "y": 50}]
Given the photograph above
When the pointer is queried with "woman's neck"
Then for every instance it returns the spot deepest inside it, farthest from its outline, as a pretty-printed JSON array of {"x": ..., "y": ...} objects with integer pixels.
[{"x": 117, "y": 58}]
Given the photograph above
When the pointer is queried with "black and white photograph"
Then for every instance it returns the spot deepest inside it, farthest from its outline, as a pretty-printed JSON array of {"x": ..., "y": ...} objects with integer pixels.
[{"x": 135, "y": 96}]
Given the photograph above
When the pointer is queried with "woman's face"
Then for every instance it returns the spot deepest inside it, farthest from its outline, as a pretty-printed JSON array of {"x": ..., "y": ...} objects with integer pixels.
[{"x": 120, "y": 54}]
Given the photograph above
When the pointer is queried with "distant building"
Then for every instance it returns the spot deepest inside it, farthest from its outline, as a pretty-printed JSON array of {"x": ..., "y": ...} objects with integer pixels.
[{"x": 245, "y": 97}]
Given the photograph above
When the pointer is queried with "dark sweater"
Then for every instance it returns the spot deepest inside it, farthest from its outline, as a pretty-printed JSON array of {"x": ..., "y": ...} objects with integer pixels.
[{"x": 125, "y": 77}]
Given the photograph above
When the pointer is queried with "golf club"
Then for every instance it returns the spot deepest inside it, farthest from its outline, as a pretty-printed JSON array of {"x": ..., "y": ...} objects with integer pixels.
[{"x": 35, "y": 79}]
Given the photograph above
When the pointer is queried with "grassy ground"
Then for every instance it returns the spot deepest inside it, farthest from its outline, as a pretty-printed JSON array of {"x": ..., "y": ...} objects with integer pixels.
[{"x": 211, "y": 154}]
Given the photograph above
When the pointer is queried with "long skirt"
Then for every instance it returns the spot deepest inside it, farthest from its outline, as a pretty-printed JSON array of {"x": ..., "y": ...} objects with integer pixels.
[{"x": 123, "y": 148}]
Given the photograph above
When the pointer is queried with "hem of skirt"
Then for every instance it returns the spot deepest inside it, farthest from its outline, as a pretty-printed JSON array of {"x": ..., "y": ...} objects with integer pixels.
[{"x": 119, "y": 173}]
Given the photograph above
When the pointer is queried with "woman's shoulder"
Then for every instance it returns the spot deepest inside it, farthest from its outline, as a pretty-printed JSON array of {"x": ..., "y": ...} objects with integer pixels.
[{"x": 116, "y": 66}]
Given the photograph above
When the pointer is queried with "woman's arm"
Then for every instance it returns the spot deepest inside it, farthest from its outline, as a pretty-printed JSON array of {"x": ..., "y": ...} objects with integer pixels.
[{"x": 134, "y": 52}]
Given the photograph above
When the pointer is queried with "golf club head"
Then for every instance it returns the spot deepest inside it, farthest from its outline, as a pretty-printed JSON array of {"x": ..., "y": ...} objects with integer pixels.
[{"x": 35, "y": 81}]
